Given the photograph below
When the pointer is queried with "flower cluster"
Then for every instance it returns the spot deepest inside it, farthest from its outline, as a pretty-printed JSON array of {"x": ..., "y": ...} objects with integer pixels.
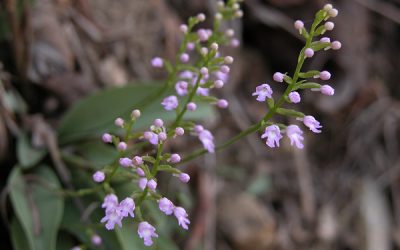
[
  {"x": 145, "y": 168},
  {"x": 273, "y": 132},
  {"x": 201, "y": 68}
]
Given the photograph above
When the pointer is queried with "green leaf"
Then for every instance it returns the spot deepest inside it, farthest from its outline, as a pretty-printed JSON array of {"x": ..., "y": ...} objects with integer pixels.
[
  {"x": 319, "y": 45},
  {"x": 308, "y": 85},
  {"x": 259, "y": 185},
  {"x": 96, "y": 114},
  {"x": 97, "y": 152},
  {"x": 26, "y": 154},
  {"x": 38, "y": 208},
  {"x": 169, "y": 169},
  {"x": 18, "y": 236},
  {"x": 128, "y": 237},
  {"x": 308, "y": 74},
  {"x": 289, "y": 112},
  {"x": 270, "y": 102}
]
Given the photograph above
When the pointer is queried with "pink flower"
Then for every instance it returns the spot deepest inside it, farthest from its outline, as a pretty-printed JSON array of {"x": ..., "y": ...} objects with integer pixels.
[
  {"x": 166, "y": 206},
  {"x": 126, "y": 207},
  {"x": 181, "y": 88},
  {"x": 273, "y": 135},
  {"x": 312, "y": 123},
  {"x": 170, "y": 103},
  {"x": 146, "y": 232},
  {"x": 181, "y": 215},
  {"x": 137, "y": 160},
  {"x": 295, "y": 135},
  {"x": 206, "y": 138},
  {"x": 112, "y": 217},
  {"x": 151, "y": 137},
  {"x": 336, "y": 45},
  {"x": 184, "y": 58},
  {"x": 110, "y": 202},
  {"x": 262, "y": 92},
  {"x": 119, "y": 122}
]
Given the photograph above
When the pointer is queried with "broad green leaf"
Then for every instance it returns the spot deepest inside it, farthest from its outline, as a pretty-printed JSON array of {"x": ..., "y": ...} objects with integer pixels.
[
  {"x": 20, "y": 204},
  {"x": 18, "y": 236},
  {"x": 96, "y": 113},
  {"x": 38, "y": 208},
  {"x": 97, "y": 152},
  {"x": 259, "y": 185},
  {"x": 26, "y": 154},
  {"x": 128, "y": 237}
]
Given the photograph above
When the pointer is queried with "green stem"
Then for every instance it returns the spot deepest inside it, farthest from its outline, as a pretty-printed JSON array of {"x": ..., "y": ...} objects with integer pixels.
[{"x": 158, "y": 159}]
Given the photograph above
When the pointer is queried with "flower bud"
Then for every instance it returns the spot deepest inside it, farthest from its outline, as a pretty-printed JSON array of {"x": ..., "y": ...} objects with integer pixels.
[
  {"x": 183, "y": 177},
  {"x": 98, "y": 176},
  {"x": 336, "y": 45},
  {"x": 218, "y": 84},
  {"x": 278, "y": 77},
  {"x": 327, "y": 90},
  {"x": 309, "y": 52},
  {"x": 224, "y": 69},
  {"x": 140, "y": 172},
  {"x": 228, "y": 60},
  {"x": 201, "y": 17},
  {"x": 329, "y": 25},
  {"x": 152, "y": 185},
  {"x": 298, "y": 25},
  {"x": 214, "y": 46},
  {"x": 229, "y": 32},
  {"x": 175, "y": 158},
  {"x": 222, "y": 103},
  {"x": 137, "y": 160},
  {"x": 184, "y": 58},
  {"x": 294, "y": 97},
  {"x": 157, "y": 62},
  {"x": 122, "y": 146},
  {"x": 162, "y": 136},
  {"x": 204, "y": 71},
  {"x": 325, "y": 75},
  {"x": 107, "y": 138},
  {"x": 179, "y": 131},
  {"x": 119, "y": 122},
  {"x": 136, "y": 113},
  {"x": 183, "y": 28},
  {"x": 191, "y": 106},
  {"x": 96, "y": 240},
  {"x": 333, "y": 12},
  {"x": 158, "y": 123}
]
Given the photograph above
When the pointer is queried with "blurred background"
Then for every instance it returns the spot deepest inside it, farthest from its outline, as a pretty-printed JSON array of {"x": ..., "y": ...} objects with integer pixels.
[{"x": 341, "y": 192}]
